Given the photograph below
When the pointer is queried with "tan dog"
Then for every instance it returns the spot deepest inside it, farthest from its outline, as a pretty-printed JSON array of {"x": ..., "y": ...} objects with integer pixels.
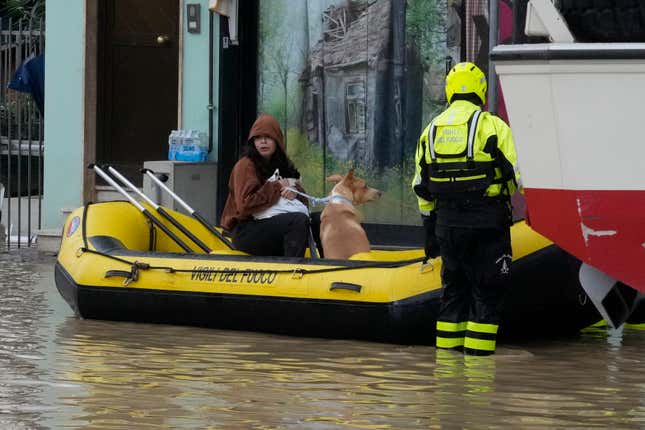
[{"x": 341, "y": 232}]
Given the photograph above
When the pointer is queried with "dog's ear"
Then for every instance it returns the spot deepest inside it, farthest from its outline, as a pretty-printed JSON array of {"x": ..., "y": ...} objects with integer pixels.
[{"x": 334, "y": 178}]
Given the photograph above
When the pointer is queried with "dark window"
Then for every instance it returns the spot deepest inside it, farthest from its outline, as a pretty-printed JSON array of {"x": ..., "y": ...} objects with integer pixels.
[{"x": 355, "y": 107}]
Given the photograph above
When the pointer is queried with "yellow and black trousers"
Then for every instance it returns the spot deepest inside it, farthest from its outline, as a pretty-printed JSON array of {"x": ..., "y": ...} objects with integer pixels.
[{"x": 475, "y": 274}]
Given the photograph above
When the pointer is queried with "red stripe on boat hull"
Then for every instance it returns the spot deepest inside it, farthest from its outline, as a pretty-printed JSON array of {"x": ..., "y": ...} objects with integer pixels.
[{"x": 605, "y": 229}]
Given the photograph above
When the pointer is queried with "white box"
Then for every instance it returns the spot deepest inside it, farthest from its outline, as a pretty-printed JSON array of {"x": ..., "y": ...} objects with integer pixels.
[{"x": 195, "y": 183}]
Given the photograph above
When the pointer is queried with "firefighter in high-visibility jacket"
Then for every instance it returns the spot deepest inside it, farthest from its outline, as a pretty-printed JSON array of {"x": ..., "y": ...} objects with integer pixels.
[{"x": 466, "y": 171}]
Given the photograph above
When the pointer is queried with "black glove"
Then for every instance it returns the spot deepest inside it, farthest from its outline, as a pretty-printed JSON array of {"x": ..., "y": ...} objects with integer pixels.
[{"x": 431, "y": 245}]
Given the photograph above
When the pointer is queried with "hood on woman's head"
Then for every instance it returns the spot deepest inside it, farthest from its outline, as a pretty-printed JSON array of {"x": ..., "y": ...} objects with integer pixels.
[{"x": 268, "y": 125}]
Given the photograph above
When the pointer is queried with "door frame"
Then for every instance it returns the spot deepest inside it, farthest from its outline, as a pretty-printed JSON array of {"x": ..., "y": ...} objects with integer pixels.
[
  {"x": 90, "y": 99},
  {"x": 238, "y": 67}
]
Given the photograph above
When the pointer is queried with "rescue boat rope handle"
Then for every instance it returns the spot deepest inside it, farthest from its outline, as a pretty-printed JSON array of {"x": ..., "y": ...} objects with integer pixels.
[
  {"x": 143, "y": 210},
  {"x": 151, "y": 174},
  {"x": 296, "y": 273},
  {"x": 160, "y": 210}
]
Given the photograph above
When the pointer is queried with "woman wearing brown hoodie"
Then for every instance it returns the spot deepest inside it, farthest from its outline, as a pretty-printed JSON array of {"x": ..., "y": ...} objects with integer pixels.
[{"x": 250, "y": 193}]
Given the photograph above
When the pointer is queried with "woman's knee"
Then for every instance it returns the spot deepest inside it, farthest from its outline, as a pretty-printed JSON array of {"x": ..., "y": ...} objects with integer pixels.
[
  {"x": 299, "y": 225},
  {"x": 300, "y": 219},
  {"x": 295, "y": 221}
]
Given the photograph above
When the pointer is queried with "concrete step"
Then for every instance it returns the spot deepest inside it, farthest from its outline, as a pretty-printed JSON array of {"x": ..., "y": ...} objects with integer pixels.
[{"x": 49, "y": 240}]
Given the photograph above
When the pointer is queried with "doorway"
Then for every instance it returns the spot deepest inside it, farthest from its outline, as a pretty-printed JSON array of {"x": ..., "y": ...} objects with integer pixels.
[{"x": 138, "y": 72}]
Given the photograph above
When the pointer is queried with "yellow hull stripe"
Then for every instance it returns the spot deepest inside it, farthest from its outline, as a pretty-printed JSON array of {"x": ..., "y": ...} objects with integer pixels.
[{"x": 229, "y": 275}]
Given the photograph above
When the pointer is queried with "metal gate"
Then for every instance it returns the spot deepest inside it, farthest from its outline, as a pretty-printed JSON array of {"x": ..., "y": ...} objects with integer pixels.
[{"x": 21, "y": 136}]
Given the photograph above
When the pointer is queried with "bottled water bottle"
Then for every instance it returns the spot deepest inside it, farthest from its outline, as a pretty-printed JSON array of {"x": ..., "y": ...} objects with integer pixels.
[
  {"x": 203, "y": 146},
  {"x": 186, "y": 146},
  {"x": 174, "y": 141}
]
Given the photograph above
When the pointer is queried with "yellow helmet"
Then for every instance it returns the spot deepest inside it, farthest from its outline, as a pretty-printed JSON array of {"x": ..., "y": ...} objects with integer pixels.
[{"x": 466, "y": 78}]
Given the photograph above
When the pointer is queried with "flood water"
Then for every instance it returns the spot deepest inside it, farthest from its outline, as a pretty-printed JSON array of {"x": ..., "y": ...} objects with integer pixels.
[{"x": 59, "y": 372}]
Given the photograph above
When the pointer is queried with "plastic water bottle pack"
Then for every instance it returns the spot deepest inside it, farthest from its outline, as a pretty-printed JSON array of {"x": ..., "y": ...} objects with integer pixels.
[{"x": 187, "y": 145}]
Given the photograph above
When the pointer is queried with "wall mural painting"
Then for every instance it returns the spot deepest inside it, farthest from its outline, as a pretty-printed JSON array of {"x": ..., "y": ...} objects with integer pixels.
[{"x": 354, "y": 82}]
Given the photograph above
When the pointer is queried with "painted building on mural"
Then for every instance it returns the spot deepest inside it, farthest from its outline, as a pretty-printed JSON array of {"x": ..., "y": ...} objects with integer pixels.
[
  {"x": 352, "y": 102},
  {"x": 365, "y": 77}
]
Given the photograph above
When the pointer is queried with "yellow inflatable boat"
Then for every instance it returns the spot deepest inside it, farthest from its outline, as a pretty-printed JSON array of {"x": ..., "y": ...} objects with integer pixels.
[{"x": 114, "y": 264}]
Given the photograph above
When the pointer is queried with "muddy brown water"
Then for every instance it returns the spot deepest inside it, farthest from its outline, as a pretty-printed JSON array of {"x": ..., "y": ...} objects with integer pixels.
[{"x": 60, "y": 372}]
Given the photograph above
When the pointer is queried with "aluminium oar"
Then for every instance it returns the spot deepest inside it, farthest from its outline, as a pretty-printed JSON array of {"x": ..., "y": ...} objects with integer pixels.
[
  {"x": 160, "y": 210},
  {"x": 191, "y": 211},
  {"x": 143, "y": 210}
]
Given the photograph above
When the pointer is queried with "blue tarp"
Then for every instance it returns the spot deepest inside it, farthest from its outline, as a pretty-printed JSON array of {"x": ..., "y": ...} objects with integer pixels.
[{"x": 30, "y": 78}]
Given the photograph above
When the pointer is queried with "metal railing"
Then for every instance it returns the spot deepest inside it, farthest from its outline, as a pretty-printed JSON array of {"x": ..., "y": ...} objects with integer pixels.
[{"x": 21, "y": 137}]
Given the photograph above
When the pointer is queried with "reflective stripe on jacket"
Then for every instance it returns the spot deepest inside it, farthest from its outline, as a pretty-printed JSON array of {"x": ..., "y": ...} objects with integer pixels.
[{"x": 419, "y": 185}]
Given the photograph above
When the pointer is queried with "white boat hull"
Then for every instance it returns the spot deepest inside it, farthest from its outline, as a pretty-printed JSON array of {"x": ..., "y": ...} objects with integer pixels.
[{"x": 576, "y": 111}]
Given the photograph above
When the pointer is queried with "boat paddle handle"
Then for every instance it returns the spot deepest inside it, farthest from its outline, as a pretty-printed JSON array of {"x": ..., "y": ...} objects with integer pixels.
[
  {"x": 191, "y": 211},
  {"x": 160, "y": 210},
  {"x": 143, "y": 210}
]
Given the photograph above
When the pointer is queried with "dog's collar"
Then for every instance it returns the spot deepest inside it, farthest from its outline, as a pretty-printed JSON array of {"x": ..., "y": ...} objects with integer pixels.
[{"x": 338, "y": 198}]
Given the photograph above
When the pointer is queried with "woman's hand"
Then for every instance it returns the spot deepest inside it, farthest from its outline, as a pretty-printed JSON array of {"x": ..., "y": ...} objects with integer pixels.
[{"x": 287, "y": 194}]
